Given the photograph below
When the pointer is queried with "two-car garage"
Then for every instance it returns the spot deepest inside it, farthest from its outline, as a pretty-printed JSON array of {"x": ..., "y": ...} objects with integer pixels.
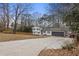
[{"x": 57, "y": 33}]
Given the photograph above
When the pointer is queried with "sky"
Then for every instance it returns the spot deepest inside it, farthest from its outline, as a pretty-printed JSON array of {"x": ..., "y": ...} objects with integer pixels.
[{"x": 40, "y": 8}]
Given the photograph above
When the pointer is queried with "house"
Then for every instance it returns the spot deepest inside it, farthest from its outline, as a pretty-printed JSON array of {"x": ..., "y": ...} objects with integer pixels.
[
  {"x": 52, "y": 31},
  {"x": 48, "y": 31},
  {"x": 36, "y": 30},
  {"x": 40, "y": 31}
]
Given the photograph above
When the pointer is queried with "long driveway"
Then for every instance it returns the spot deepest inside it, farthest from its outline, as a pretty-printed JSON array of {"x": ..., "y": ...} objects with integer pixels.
[{"x": 31, "y": 47}]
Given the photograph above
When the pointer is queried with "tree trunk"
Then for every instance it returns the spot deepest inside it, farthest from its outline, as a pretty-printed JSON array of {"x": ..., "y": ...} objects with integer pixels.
[
  {"x": 8, "y": 21},
  {"x": 15, "y": 26},
  {"x": 7, "y": 15},
  {"x": 14, "y": 30}
]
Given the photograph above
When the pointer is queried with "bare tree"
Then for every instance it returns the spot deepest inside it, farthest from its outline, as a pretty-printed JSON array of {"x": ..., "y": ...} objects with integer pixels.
[
  {"x": 19, "y": 9},
  {"x": 3, "y": 14},
  {"x": 4, "y": 7},
  {"x": 26, "y": 21},
  {"x": 59, "y": 10},
  {"x": 7, "y": 15}
]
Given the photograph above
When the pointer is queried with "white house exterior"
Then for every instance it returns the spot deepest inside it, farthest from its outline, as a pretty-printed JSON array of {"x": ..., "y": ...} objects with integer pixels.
[
  {"x": 36, "y": 30},
  {"x": 59, "y": 31},
  {"x": 47, "y": 33},
  {"x": 40, "y": 31}
]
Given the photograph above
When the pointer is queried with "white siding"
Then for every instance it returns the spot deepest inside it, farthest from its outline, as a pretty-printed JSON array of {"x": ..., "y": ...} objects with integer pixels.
[
  {"x": 36, "y": 30},
  {"x": 47, "y": 33}
]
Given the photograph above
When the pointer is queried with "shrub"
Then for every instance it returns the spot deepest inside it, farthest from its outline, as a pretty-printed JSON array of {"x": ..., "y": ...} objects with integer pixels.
[
  {"x": 68, "y": 46},
  {"x": 1, "y": 27},
  {"x": 25, "y": 29},
  {"x": 78, "y": 37}
]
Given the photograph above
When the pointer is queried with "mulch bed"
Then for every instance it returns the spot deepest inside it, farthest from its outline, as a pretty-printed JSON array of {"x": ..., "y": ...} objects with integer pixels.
[{"x": 59, "y": 52}]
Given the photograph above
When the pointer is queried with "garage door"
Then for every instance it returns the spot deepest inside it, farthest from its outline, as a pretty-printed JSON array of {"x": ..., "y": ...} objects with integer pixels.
[{"x": 58, "y": 33}]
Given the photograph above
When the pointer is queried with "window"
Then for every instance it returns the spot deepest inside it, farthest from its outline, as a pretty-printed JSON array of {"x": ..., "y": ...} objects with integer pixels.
[{"x": 37, "y": 28}]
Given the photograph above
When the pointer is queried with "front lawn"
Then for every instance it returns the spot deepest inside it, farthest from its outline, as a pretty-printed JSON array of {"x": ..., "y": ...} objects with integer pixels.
[{"x": 17, "y": 36}]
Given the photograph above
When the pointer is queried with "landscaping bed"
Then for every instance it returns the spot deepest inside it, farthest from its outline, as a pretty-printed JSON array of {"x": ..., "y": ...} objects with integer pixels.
[{"x": 60, "y": 52}]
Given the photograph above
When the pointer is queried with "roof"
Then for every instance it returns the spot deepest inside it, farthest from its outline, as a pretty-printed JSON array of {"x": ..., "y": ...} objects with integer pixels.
[{"x": 54, "y": 29}]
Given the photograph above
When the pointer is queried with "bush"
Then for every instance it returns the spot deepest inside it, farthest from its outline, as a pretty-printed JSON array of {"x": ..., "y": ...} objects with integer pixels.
[
  {"x": 78, "y": 38},
  {"x": 68, "y": 46},
  {"x": 25, "y": 29},
  {"x": 1, "y": 29}
]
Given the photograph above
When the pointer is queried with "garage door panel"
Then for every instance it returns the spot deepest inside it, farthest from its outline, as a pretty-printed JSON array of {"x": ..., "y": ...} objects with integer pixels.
[{"x": 58, "y": 33}]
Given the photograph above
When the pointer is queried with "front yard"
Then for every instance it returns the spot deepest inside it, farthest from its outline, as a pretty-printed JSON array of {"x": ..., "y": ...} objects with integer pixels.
[{"x": 17, "y": 36}]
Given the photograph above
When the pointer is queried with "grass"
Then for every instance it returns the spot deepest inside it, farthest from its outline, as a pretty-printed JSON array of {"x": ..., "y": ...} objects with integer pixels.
[{"x": 17, "y": 36}]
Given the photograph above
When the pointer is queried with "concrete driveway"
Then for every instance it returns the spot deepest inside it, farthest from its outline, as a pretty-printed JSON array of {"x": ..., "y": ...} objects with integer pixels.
[{"x": 31, "y": 47}]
